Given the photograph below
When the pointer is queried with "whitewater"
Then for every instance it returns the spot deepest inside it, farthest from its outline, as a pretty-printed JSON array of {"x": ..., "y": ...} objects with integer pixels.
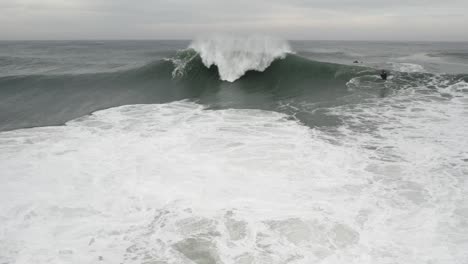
[
  {"x": 234, "y": 150},
  {"x": 234, "y": 56}
]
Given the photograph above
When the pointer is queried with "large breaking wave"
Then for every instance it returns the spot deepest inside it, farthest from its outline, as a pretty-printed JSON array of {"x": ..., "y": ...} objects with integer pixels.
[{"x": 265, "y": 72}]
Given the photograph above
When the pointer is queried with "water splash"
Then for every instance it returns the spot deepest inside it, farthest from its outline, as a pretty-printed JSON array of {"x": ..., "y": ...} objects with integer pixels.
[
  {"x": 236, "y": 55},
  {"x": 181, "y": 61}
]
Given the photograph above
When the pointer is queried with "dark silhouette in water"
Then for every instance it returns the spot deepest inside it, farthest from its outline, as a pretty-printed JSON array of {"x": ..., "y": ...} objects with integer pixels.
[{"x": 383, "y": 75}]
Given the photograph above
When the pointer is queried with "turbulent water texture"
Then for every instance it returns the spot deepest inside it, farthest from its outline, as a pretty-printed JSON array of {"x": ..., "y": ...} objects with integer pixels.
[{"x": 294, "y": 160}]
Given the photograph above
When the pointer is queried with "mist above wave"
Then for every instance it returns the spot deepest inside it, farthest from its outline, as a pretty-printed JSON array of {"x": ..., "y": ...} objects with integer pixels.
[{"x": 236, "y": 55}]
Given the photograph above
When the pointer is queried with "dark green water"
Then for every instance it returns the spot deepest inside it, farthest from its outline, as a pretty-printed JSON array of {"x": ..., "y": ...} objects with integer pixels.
[{"x": 51, "y": 83}]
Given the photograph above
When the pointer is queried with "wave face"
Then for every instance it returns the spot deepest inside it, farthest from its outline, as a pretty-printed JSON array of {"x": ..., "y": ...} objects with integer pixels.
[
  {"x": 55, "y": 99},
  {"x": 234, "y": 56}
]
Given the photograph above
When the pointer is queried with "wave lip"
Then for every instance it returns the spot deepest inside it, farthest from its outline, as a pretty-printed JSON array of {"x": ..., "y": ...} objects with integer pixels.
[{"x": 236, "y": 55}]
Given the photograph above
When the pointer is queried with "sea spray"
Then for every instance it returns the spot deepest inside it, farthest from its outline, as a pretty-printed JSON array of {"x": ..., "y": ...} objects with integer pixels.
[{"x": 236, "y": 55}]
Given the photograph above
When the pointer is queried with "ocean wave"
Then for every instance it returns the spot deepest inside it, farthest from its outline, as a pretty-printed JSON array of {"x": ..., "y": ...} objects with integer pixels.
[{"x": 55, "y": 99}]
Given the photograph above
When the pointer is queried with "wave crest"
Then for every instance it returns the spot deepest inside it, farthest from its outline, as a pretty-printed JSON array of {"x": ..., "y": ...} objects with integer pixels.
[{"x": 236, "y": 55}]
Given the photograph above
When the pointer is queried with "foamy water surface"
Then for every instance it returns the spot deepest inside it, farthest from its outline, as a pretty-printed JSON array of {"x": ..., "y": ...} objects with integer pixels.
[{"x": 177, "y": 183}]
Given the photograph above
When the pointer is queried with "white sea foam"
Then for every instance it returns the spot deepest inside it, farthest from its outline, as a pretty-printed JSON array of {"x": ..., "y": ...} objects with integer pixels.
[
  {"x": 235, "y": 55},
  {"x": 407, "y": 67},
  {"x": 420, "y": 151},
  {"x": 458, "y": 89},
  {"x": 176, "y": 183}
]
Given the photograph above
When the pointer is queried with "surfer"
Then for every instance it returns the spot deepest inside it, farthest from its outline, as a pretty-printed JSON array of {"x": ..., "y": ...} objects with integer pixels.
[{"x": 383, "y": 75}]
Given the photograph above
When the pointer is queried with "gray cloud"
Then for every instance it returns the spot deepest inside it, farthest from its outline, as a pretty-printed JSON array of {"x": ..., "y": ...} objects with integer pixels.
[{"x": 294, "y": 19}]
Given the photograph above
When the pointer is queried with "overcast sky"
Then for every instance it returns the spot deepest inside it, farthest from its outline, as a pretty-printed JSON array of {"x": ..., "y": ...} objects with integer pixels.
[{"x": 185, "y": 19}]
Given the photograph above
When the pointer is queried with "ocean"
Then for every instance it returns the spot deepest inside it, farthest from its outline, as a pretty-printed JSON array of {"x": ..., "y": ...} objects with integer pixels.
[{"x": 230, "y": 149}]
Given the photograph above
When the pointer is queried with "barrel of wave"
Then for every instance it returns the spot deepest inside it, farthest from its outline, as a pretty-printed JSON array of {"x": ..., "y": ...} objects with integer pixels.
[{"x": 235, "y": 55}]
